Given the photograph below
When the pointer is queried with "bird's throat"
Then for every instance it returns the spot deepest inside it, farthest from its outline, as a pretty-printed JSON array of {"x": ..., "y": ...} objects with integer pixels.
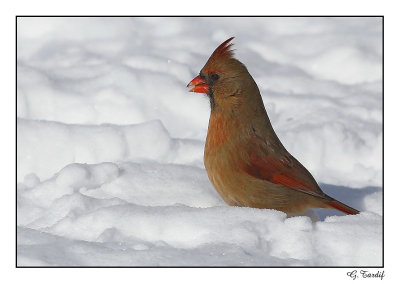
[{"x": 210, "y": 95}]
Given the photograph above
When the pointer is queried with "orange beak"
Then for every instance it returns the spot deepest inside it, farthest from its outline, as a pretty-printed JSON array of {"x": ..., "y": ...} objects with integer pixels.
[{"x": 199, "y": 84}]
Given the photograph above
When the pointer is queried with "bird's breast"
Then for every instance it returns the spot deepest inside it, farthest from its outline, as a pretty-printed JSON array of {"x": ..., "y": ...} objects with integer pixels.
[
  {"x": 220, "y": 130},
  {"x": 219, "y": 159},
  {"x": 218, "y": 142}
]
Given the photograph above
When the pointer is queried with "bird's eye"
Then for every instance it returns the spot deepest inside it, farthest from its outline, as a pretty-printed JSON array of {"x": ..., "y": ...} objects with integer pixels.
[{"x": 214, "y": 77}]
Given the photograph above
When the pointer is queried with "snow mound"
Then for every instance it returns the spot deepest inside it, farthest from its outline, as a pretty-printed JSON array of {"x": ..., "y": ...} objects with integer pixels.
[
  {"x": 44, "y": 147},
  {"x": 151, "y": 212}
]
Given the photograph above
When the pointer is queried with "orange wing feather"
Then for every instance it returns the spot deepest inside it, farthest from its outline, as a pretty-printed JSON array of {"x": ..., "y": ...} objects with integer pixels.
[
  {"x": 289, "y": 172},
  {"x": 284, "y": 170}
]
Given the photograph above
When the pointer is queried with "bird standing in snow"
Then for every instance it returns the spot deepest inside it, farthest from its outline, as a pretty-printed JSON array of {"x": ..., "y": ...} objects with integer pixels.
[{"x": 244, "y": 158}]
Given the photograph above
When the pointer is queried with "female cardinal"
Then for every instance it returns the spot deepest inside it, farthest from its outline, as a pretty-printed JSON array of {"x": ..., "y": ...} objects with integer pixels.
[{"x": 244, "y": 158}]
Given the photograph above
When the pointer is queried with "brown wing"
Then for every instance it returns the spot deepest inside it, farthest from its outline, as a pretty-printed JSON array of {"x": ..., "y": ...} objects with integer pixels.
[{"x": 277, "y": 166}]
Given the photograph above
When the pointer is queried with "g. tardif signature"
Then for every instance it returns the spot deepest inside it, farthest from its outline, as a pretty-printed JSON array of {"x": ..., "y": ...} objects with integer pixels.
[{"x": 366, "y": 274}]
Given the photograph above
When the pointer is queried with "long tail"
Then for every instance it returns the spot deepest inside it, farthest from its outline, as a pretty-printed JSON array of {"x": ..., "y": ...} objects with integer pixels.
[{"x": 342, "y": 207}]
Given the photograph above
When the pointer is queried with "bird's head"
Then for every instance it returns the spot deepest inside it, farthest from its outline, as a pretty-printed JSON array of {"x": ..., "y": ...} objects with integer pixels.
[{"x": 222, "y": 78}]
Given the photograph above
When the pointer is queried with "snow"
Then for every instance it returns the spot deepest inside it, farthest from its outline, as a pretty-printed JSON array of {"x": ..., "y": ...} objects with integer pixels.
[{"x": 110, "y": 143}]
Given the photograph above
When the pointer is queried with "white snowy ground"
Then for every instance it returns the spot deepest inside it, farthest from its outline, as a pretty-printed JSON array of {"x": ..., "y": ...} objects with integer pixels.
[{"x": 110, "y": 143}]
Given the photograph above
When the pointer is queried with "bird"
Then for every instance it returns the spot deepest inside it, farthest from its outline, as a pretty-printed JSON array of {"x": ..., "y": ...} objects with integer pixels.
[{"x": 244, "y": 158}]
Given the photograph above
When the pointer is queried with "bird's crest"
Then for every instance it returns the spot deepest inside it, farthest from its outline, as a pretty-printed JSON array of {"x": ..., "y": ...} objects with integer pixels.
[
  {"x": 224, "y": 49},
  {"x": 222, "y": 52}
]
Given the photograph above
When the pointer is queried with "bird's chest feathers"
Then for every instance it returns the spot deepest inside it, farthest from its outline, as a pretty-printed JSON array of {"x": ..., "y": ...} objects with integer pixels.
[
  {"x": 220, "y": 130},
  {"x": 220, "y": 163}
]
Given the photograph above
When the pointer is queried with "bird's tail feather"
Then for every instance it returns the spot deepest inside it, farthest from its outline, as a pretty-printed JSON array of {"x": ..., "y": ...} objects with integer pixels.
[{"x": 342, "y": 207}]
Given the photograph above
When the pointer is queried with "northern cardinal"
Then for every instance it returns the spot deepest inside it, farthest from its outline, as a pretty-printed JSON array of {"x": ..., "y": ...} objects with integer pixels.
[{"x": 244, "y": 158}]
